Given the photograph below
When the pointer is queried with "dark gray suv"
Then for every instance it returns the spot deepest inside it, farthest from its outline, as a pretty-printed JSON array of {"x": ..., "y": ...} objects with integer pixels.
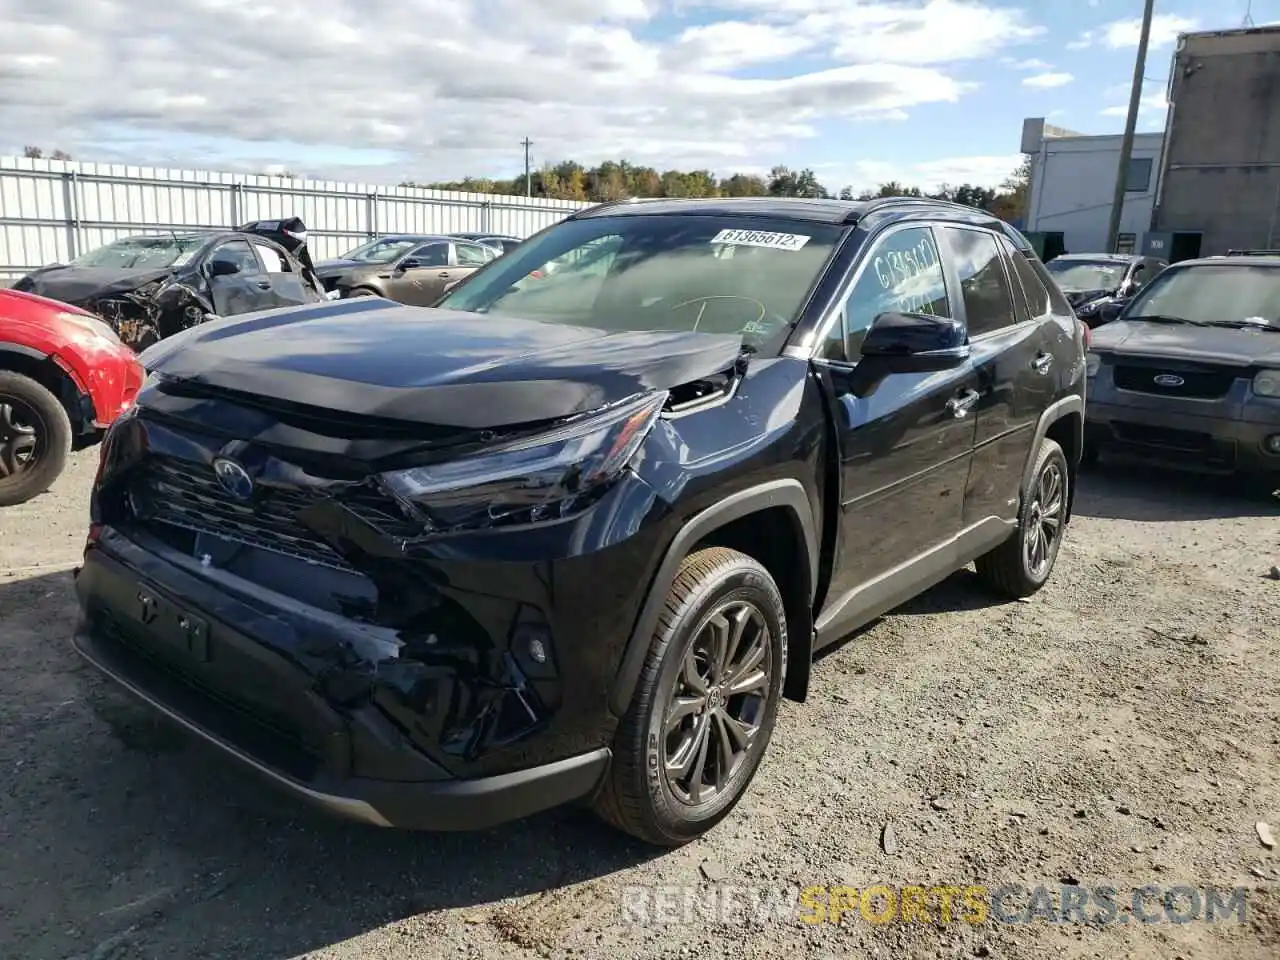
[{"x": 1189, "y": 374}]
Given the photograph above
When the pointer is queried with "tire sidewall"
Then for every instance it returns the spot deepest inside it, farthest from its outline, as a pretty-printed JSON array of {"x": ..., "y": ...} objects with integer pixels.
[
  {"x": 1051, "y": 452},
  {"x": 53, "y": 439},
  {"x": 744, "y": 581}
]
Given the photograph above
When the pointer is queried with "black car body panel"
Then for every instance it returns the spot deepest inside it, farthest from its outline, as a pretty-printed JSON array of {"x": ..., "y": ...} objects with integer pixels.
[
  {"x": 252, "y": 555},
  {"x": 147, "y": 304},
  {"x": 1183, "y": 394}
]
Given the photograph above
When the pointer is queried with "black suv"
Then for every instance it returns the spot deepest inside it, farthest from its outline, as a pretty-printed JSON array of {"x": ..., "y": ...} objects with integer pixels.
[{"x": 574, "y": 534}]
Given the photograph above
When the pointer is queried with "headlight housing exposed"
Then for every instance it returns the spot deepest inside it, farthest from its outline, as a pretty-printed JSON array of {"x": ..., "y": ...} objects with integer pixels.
[
  {"x": 552, "y": 475},
  {"x": 1091, "y": 364},
  {"x": 96, "y": 328},
  {"x": 1267, "y": 383}
]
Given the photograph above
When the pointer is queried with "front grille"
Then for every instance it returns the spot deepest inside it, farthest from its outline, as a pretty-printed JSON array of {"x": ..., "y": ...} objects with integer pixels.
[
  {"x": 1198, "y": 384},
  {"x": 168, "y": 492},
  {"x": 1161, "y": 436}
]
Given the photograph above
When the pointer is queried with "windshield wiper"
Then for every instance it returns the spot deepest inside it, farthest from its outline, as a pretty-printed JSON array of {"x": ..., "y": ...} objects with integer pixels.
[{"x": 1163, "y": 318}]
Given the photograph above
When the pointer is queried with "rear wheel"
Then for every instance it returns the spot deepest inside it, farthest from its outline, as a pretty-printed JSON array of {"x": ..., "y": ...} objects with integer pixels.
[
  {"x": 35, "y": 437},
  {"x": 1021, "y": 565},
  {"x": 705, "y": 704}
]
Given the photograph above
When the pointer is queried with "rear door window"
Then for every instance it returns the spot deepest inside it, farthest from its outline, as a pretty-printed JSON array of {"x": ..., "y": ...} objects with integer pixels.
[
  {"x": 1033, "y": 291},
  {"x": 984, "y": 286}
]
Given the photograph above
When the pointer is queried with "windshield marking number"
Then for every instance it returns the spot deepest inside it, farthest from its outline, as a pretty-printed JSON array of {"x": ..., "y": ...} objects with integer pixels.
[{"x": 761, "y": 238}]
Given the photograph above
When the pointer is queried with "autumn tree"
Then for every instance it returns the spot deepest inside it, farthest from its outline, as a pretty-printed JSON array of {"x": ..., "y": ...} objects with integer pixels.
[{"x": 619, "y": 179}]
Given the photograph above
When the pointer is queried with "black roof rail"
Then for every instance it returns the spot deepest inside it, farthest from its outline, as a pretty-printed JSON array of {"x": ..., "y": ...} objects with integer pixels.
[
  {"x": 1253, "y": 253},
  {"x": 878, "y": 203},
  {"x": 594, "y": 208}
]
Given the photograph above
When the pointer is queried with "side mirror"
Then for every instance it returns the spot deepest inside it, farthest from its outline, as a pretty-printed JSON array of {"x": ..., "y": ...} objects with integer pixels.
[
  {"x": 1110, "y": 310},
  {"x": 915, "y": 342},
  {"x": 410, "y": 263},
  {"x": 223, "y": 268}
]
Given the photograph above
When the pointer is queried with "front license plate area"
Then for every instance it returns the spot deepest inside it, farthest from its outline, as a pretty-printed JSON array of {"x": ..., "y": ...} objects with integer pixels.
[{"x": 171, "y": 625}]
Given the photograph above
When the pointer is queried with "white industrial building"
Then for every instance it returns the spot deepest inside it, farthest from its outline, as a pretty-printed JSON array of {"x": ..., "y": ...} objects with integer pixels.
[{"x": 1073, "y": 181}]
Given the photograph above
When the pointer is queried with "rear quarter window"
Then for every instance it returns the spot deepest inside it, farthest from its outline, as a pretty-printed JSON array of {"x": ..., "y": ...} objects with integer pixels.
[{"x": 1056, "y": 299}]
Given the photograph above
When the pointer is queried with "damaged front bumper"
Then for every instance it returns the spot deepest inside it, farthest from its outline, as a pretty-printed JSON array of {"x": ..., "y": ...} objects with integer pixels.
[{"x": 198, "y": 661}]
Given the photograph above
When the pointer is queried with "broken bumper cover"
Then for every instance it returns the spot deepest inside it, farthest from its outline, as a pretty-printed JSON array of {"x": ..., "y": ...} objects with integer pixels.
[{"x": 138, "y": 654}]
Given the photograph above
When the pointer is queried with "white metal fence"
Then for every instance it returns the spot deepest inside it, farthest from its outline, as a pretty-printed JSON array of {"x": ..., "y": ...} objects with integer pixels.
[{"x": 53, "y": 210}]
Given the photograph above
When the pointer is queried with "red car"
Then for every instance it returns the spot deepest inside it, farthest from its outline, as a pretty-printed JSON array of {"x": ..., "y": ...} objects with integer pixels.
[{"x": 64, "y": 376}]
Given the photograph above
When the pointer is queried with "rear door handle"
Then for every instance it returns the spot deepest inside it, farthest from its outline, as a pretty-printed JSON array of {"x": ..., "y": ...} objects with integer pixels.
[
  {"x": 263, "y": 284},
  {"x": 445, "y": 274},
  {"x": 1042, "y": 362},
  {"x": 960, "y": 405}
]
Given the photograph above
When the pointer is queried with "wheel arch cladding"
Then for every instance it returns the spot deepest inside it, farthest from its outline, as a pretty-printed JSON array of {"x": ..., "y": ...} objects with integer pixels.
[
  {"x": 1062, "y": 422},
  {"x": 772, "y": 523},
  {"x": 41, "y": 368}
]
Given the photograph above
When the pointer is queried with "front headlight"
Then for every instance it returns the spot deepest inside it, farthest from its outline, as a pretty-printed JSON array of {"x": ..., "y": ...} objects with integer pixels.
[
  {"x": 1267, "y": 383},
  {"x": 552, "y": 475},
  {"x": 98, "y": 328},
  {"x": 1091, "y": 364}
]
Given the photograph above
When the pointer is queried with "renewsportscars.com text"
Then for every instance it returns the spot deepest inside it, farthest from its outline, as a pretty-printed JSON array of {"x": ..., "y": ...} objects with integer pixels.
[{"x": 934, "y": 904}]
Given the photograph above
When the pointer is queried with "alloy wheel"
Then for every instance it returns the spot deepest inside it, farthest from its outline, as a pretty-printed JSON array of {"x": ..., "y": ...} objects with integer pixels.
[
  {"x": 1044, "y": 520},
  {"x": 717, "y": 705},
  {"x": 20, "y": 445}
]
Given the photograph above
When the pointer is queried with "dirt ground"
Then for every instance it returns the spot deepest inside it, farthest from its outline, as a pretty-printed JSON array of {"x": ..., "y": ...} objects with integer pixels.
[{"x": 1122, "y": 728}]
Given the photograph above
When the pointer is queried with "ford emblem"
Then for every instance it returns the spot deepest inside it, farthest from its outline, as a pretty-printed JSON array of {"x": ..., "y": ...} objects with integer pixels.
[
  {"x": 1169, "y": 380},
  {"x": 233, "y": 478}
]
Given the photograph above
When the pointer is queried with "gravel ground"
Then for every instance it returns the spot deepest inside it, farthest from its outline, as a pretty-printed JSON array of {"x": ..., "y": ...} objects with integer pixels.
[{"x": 1120, "y": 729}]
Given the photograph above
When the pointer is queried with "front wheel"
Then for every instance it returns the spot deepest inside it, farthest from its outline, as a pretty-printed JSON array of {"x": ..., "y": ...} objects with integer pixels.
[
  {"x": 705, "y": 704},
  {"x": 35, "y": 437},
  {"x": 1021, "y": 565}
]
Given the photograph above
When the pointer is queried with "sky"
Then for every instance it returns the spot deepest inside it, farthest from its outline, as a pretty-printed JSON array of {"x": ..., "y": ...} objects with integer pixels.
[{"x": 379, "y": 91}]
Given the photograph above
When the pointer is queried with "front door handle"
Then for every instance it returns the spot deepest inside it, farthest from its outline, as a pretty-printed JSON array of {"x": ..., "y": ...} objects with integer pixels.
[
  {"x": 264, "y": 284},
  {"x": 960, "y": 405},
  {"x": 1042, "y": 362},
  {"x": 445, "y": 274}
]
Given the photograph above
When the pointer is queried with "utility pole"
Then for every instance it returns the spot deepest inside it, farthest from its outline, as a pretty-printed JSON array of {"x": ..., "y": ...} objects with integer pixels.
[
  {"x": 1130, "y": 123},
  {"x": 528, "y": 177}
]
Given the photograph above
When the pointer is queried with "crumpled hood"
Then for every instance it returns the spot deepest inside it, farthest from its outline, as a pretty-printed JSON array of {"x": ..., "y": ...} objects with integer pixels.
[
  {"x": 77, "y": 285},
  {"x": 372, "y": 357},
  {"x": 1224, "y": 345},
  {"x": 1080, "y": 297}
]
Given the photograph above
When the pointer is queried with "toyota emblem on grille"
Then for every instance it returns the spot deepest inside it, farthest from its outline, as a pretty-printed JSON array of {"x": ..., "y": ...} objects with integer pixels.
[
  {"x": 233, "y": 478},
  {"x": 1169, "y": 380}
]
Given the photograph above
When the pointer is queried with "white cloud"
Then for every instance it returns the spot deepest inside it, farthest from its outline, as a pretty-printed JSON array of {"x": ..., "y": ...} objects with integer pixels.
[
  {"x": 733, "y": 43},
  {"x": 1031, "y": 64},
  {"x": 1045, "y": 81},
  {"x": 439, "y": 89},
  {"x": 1121, "y": 34},
  {"x": 1150, "y": 103}
]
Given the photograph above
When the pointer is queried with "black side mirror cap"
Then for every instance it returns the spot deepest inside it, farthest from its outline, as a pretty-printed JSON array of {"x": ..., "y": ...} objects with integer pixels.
[
  {"x": 223, "y": 268},
  {"x": 915, "y": 342}
]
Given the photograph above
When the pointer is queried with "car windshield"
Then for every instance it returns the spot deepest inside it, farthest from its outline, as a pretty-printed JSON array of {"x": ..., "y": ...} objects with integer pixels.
[
  {"x": 1217, "y": 294},
  {"x": 715, "y": 274},
  {"x": 1076, "y": 276},
  {"x": 382, "y": 250},
  {"x": 142, "y": 252}
]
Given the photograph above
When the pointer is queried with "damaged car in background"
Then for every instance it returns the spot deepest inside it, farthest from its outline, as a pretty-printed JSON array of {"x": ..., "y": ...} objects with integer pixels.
[{"x": 149, "y": 287}]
